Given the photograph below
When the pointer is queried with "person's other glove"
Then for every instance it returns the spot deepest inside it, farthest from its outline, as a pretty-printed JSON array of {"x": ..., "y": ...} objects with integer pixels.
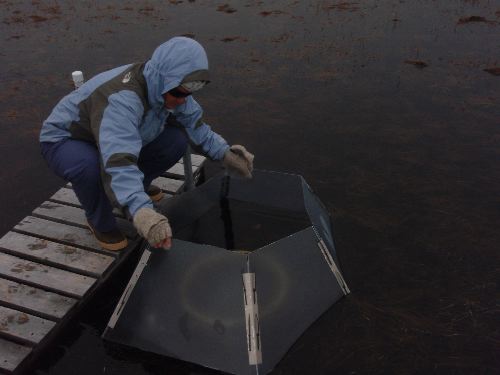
[
  {"x": 153, "y": 227},
  {"x": 238, "y": 160}
]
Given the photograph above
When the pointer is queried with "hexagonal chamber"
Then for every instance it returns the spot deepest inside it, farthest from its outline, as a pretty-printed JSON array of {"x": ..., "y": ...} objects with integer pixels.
[{"x": 236, "y": 311}]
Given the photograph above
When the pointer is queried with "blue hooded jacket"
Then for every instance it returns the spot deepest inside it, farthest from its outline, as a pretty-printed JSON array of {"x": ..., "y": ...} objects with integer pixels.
[{"x": 122, "y": 110}]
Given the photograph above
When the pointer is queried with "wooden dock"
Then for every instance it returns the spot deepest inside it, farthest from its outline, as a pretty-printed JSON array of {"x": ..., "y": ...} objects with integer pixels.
[{"x": 50, "y": 264}]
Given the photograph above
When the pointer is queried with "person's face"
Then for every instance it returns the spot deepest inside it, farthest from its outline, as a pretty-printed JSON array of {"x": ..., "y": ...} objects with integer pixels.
[{"x": 175, "y": 97}]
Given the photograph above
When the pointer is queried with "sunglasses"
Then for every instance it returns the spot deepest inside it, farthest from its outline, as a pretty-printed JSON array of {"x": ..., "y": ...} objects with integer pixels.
[{"x": 178, "y": 93}]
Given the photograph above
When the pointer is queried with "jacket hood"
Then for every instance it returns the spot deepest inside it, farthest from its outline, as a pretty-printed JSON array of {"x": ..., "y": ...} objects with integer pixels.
[{"x": 176, "y": 61}]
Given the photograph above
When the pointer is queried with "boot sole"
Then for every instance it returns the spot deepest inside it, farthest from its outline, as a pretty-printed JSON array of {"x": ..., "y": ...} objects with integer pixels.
[
  {"x": 110, "y": 246},
  {"x": 157, "y": 197}
]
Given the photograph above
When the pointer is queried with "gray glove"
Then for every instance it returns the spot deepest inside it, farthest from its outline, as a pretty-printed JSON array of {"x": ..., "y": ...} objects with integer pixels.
[
  {"x": 153, "y": 227},
  {"x": 238, "y": 160}
]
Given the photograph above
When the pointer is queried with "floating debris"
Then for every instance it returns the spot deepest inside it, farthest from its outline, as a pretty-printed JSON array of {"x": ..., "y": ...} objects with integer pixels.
[
  {"x": 344, "y": 6},
  {"x": 36, "y": 18},
  {"x": 15, "y": 37},
  {"x": 495, "y": 71},
  {"x": 271, "y": 12},
  {"x": 281, "y": 38},
  {"x": 225, "y": 8},
  {"x": 470, "y": 19},
  {"x": 229, "y": 39},
  {"x": 233, "y": 38},
  {"x": 14, "y": 19},
  {"x": 417, "y": 63},
  {"x": 55, "y": 9}
]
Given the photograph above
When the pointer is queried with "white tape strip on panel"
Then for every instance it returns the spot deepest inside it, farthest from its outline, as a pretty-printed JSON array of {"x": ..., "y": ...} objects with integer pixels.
[
  {"x": 131, "y": 284},
  {"x": 252, "y": 319},
  {"x": 333, "y": 267}
]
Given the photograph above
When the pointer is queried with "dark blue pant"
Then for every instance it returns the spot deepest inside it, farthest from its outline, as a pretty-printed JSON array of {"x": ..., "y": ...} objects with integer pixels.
[{"x": 79, "y": 163}]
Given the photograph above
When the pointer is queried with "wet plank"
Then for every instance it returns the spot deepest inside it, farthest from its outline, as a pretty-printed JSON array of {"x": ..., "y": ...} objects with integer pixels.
[
  {"x": 167, "y": 184},
  {"x": 196, "y": 160},
  {"x": 47, "y": 277},
  {"x": 56, "y": 254},
  {"x": 67, "y": 196},
  {"x": 59, "y": 232},
  {"x": 70, "y": 214},
  {"x": 76, "y": 216},
  {"x": 36, "y": 301},
  {"x": 66, "y": 234},
  {"x": 22, "y": 326},
  {"x": 178, "y": 170},
  {"x": 11, "y": 354}
]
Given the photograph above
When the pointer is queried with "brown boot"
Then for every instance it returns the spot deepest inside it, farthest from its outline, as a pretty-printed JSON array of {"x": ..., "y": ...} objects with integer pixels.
[
  {"x": 155, "y": 193},
  {"x": 113, "y": 240}
]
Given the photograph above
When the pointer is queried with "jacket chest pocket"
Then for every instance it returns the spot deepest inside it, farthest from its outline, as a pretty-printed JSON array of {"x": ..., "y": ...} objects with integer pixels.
[{"x": 152, "y": 126}]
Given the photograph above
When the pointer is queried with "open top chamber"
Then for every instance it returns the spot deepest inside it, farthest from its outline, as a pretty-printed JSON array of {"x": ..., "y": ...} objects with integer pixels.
[{"x": 252, "y": 265}]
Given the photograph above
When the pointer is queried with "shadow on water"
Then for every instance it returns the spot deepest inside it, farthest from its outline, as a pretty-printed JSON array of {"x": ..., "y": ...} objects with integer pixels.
[{"x": 388, "y": 109}]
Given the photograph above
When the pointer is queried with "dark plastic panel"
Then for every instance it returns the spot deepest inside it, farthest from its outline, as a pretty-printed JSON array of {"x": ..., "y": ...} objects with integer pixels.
[
  {"x": 270, "y": 189},
  {"x": 188, "y": 304},
  {"x": 295, "y": 286},
  {"x": 319, "y": 217}
]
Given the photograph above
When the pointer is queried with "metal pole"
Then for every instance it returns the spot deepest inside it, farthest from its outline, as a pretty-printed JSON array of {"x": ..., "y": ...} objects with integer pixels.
[{"x": 188, "y": 170}]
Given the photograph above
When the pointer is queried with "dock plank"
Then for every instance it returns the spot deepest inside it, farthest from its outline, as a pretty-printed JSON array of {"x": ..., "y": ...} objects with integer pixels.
[
  {"x": 70, "y": 214},
  {"x": 22, "y": 326},
  {"x": 67, "y": 196},
  {"x": 178, "y": 170},
  {"x": 12, "y": 354},
  {"x": 50, "y": 261},
  {"x": 196, "y": 160},
  {"x": 35, "y": 300},
  {"x": 76, "y": 216},
  {"x": 56, "y": 254},
  {"x": 67, "y": 234},
  {"x": 167, "y": 184},
  {"x": 52, "y": 278}
]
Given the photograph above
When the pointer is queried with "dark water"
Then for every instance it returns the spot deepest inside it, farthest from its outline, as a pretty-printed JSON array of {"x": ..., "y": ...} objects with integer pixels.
[
  {"x": 404, "y": 156},
  {"x": 242, "y": 226}
]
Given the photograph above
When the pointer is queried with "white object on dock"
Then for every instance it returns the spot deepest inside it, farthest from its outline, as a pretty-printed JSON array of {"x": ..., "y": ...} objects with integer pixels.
[{"x": 77, "y": 78}]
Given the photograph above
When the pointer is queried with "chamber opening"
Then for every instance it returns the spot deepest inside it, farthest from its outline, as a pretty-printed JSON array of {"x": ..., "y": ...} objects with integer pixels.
[{"x": 243, "y": 226}]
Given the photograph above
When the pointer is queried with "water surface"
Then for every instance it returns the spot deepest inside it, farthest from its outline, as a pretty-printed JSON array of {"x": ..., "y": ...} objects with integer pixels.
[{"x": 405, "y": 157}]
